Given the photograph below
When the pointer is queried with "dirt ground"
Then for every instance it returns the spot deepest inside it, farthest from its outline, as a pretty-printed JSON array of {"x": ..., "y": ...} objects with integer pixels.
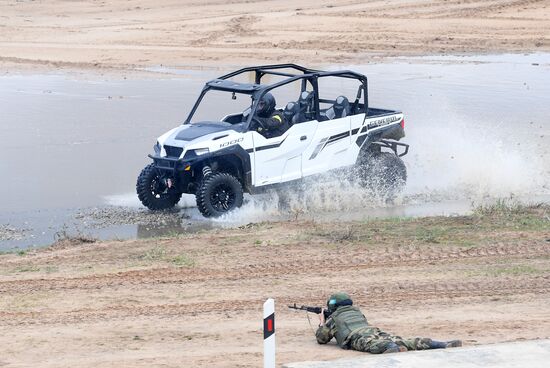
[
  {"x": 195, "y": 300},
  {"x": 191, "y": 33}
]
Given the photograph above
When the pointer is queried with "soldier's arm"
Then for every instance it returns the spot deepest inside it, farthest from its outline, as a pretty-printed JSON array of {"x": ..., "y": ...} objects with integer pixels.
[
  {"x": 325, "y": 332},
  {"x": 275, "y": 121}
]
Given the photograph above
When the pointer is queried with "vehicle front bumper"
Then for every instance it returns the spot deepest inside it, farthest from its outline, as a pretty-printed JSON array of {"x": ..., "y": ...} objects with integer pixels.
[
  {"x": 170, "y": 164},
  {"x": 177, "y": 168}
]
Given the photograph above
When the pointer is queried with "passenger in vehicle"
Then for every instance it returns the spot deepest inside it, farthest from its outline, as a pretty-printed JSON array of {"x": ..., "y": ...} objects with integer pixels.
[{"x": 268, "y": 121}]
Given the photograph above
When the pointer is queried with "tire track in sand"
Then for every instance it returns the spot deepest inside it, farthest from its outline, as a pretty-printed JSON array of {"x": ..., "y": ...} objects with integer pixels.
[
  {"x": 379, "y": 294},
  {"x": 387, "y": 257}
]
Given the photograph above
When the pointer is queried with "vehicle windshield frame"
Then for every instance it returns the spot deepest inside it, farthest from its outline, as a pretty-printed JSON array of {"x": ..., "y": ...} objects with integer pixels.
[{"x": 203, "y": 93}]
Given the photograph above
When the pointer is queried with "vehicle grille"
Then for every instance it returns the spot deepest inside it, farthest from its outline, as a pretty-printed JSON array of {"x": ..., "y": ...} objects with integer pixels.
[{"x": 173, "y": 151}]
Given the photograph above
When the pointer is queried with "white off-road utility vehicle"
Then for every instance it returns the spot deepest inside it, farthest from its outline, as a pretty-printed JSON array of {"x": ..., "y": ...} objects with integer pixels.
[{"x": 224, "y": 148}]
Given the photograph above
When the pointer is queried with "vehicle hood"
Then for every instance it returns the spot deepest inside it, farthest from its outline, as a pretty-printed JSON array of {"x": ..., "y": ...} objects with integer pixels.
[
  {"x": 198, "y": 135},
  {"x": 190, "y": 132}
]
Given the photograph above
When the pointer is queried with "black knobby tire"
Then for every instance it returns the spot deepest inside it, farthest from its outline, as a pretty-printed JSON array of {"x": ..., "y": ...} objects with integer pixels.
[
  {"x": 219, "y": 193},
  {"x": 384, "y": 173},
  {"x": 152, "y": 193}
]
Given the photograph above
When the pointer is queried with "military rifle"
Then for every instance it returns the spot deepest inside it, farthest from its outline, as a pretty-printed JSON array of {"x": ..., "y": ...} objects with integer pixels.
[{"x": 316, "y": 310}]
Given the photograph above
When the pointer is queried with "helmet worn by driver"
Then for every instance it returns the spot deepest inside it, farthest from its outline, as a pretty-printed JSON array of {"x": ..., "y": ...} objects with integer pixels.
[
  {"x": 266, "y": 105},
  {"x": 337, "y": 300}
]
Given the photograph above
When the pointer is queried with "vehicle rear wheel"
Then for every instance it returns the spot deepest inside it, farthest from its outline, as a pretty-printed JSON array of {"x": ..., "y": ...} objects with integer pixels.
[
  {"x": 384, "y": 173},
  {"x": 153, "y": 192},
  {"x": 219, "y": 193}
]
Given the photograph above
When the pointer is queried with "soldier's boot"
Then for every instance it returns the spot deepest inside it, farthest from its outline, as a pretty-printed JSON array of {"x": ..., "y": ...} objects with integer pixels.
[
  {"x": 444, "y": 344},
  {"x": 394, "y": 348},
  {"x": 454, "y": 344}
]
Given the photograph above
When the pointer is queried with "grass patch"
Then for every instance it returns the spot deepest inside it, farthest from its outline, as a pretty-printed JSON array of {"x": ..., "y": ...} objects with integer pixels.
[
  {"x": 64, "y": 238},
  {"x": 518, "y": 270},
  {"x": 432, "y": 235},
  {"x": 183, "y": 260},
  {"x": 392, "y": 220},
  {"x": 489, "y": 223},
  {"x": 154, "y": 254},
  {"x": 34, "y": 268},
  {"x": 339, "y": 233},
  {"x": 19, "y": 252},
  {"x": 514, "y": 271},
  {"x": 26, "y": 268},
  {"x": 507, "y": 207},
  {"x": 160, "y": 254},
  {"x": 51, "y": 269}
]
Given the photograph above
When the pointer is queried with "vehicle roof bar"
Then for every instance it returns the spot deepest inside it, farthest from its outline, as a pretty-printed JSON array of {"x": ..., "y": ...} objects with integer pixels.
[
  {"x": 269, "y": 67},
  {"x": 264, "y": 71}
]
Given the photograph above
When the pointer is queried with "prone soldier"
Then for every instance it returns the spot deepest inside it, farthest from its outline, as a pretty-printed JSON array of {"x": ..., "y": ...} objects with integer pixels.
[{"x": 350, "y": 327}]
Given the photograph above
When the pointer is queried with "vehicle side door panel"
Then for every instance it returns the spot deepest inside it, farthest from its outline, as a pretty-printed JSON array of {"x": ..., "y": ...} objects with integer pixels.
[
  {"x": 279, "y": 159},
  {"x": 329, "y": 148}
]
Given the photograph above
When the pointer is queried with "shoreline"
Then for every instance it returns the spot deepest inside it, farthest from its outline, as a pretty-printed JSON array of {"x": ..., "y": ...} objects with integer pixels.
[{"x": 39, "y": 67}]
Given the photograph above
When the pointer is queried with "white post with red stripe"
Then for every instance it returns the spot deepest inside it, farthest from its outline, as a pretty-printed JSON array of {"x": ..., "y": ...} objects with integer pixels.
[{"x": 269, "y": 333}]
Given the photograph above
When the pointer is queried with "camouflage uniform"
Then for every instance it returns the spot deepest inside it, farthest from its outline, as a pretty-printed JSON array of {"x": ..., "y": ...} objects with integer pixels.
[{"x": 355, "y": 333}]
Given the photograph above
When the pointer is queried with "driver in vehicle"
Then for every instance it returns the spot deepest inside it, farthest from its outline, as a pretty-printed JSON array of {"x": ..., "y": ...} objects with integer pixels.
[{"x": 268, "y": 121}]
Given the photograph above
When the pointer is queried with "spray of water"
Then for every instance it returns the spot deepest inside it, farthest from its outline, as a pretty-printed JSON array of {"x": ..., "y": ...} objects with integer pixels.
[
  {"x": 458, "y": 160},
  {"x": 468, "y": 160}
]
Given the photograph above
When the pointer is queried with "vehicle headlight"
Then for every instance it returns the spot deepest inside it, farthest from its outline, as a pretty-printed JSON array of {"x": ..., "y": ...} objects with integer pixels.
[
  {"x": 156, "y": 148},
  {"x": 201, "y": 151}
]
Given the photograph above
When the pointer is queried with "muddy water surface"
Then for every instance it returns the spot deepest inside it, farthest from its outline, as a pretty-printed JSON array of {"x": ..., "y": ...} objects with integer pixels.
[{"x": 71, "y": 147}]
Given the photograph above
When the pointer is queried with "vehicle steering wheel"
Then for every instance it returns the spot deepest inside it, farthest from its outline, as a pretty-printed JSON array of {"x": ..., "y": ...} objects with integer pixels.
[{"x": 257, "y": 122}]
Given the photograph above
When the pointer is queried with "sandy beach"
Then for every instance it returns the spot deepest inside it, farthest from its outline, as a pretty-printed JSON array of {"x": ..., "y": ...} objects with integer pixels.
[{"x": 189, "y": 33}]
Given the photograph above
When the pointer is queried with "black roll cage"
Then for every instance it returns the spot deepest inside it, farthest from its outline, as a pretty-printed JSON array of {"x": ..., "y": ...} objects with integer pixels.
[{"x": 256, "y": 90}]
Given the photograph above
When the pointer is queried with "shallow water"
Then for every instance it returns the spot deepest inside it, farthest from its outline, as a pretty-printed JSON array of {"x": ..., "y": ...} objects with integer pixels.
[{"x": 71, "y": 147}]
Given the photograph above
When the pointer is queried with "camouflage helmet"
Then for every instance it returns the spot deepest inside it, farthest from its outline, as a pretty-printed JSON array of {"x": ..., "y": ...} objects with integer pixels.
[{"x": 337, "y": 300}]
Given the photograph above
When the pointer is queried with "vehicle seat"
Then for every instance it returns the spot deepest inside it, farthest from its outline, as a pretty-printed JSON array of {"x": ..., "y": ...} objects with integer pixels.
[
  {"x": 340, "y": 109},
  {"x": 306, "y": 105},
  {"x": 291, "y": 113}
]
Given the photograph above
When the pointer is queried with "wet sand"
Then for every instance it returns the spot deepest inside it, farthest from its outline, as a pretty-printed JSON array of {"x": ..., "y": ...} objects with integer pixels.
[{"x": 125, "y": 35}]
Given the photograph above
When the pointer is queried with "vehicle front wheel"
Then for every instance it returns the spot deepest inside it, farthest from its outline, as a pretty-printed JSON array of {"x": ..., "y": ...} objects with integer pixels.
[
  {"x": 219, "y": 193},
  {"x": 153, "y": 192},
  {"x": 384, "y": 173}
]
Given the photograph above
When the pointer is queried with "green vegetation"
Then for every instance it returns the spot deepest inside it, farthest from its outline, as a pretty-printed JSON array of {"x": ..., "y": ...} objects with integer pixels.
[
  {"x": 503, "y": 207},
  {"x": 433, "y": 235},
  {"x": 515, "y": 270},
  {"x": 19, "y": 252},
  {"x": 183, "y": 260},
  {"x": 160, "y": 254},
  {"x": 64, "y": 237},
  {"x": 26, "y": 268},
  {"x": 51, "y": 269},
  {"x": 157, "y": 253},
  {"x": 487, "y": 224}
]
